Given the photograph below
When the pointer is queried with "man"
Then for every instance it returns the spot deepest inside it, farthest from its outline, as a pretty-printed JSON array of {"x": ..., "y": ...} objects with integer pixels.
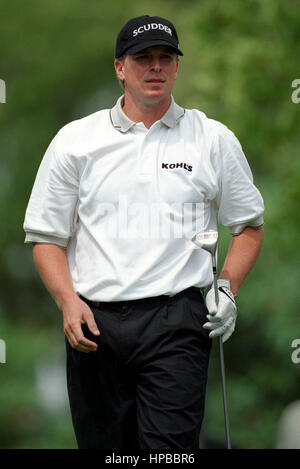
[{"x": 116, "y": 201}]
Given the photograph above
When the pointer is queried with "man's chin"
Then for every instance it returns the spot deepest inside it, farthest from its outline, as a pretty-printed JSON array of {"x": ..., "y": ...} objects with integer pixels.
[{"x": 156, "y": 95}]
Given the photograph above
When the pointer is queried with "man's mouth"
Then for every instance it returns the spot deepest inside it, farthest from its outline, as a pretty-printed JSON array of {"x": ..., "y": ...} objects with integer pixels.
[{"x": 155, "y": 80}]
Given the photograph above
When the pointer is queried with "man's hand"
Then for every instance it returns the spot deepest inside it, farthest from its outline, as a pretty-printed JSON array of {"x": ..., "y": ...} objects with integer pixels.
[
  {"x": 75, "y": 313},
  {"x": 221, "y": 319},
  {"x": 52, "y": 264}
]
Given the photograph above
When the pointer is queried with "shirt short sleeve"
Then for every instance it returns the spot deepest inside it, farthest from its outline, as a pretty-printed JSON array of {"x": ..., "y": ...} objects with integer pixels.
[
  {"x": 239, "y": 202},
  {"x": 51, "y": 212}
]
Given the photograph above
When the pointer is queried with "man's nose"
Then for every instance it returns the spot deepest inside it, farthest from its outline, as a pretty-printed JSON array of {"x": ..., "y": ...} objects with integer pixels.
[{"x": 155, "y": 64}]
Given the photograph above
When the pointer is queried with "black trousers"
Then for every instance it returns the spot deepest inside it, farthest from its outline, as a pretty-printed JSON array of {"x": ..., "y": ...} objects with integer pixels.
[{"x": 145, "y": 385}]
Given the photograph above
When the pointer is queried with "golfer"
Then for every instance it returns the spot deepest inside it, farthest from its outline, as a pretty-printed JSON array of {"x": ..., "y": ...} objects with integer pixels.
[{"x": 116, "y": 201}]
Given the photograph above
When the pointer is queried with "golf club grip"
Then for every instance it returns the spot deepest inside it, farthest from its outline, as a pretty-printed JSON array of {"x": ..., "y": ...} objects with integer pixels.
[{"x": 216, "y": 290}]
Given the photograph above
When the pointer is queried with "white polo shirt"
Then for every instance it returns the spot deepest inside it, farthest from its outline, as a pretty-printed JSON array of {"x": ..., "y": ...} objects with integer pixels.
[{"x": 125, "y": 201}]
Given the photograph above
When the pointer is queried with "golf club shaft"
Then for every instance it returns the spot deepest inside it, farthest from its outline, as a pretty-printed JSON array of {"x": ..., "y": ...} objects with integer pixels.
[
  {"x": 227, "y": 430},
  {"x": 222, "y": 362}
]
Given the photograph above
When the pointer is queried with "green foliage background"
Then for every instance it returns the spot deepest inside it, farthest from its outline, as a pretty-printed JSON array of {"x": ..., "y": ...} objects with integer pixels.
[{"x": 240, "y": 60}]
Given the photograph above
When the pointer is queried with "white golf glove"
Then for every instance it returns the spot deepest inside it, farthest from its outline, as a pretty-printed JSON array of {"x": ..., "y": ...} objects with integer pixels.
[{"x": 221, "y": 319}]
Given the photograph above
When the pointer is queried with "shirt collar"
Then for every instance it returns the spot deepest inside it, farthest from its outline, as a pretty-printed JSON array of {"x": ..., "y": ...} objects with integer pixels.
[{"x": 121, "y": 122}]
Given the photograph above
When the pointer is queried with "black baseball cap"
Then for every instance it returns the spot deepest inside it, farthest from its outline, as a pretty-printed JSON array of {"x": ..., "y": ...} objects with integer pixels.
[{"x": 146, "y": 31}]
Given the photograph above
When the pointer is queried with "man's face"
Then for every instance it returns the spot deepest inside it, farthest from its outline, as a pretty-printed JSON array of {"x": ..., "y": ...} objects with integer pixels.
[{"x": 149, "y": 75}]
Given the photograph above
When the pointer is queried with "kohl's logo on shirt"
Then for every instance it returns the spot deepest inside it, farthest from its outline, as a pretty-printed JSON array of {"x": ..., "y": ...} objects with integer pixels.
[
  {"x": 147, "y": 27},
  {"x": 186, "y": 166}
]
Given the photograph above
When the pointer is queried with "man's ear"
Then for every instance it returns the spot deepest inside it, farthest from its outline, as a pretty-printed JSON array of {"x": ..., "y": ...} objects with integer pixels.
[
  {"x": 119, "y": 65},
  {"x": 177, "y": 64}
]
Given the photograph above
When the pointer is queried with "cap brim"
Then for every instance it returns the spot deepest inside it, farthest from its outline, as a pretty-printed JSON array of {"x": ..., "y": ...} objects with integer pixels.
[{"x": 138, "y": 48}]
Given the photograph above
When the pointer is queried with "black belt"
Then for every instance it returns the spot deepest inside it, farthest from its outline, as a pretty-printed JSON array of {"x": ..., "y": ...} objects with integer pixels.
[{"x": 96, "y": 304}]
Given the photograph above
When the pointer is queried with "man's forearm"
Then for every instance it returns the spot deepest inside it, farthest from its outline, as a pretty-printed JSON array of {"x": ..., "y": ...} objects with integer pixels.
[
  {"x": 52, "y": 264},
  {"x": 242, "y": 256}
]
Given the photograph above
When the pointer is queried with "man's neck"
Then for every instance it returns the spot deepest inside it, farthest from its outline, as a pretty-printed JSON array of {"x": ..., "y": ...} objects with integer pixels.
[{"x": 146, "y": 113}]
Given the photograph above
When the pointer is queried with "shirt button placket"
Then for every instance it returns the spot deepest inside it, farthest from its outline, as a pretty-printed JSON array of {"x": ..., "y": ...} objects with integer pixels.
[{"x": 146, "y": 162}]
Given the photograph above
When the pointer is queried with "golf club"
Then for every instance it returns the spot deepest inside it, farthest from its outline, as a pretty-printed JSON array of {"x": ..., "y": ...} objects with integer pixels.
[{"x": 208, "y": 241}]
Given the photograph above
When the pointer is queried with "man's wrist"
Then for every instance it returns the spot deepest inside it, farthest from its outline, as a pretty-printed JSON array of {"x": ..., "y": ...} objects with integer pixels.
[
  {"x": 225, "y": 282},
  {"x": 66, "y": 299}
]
